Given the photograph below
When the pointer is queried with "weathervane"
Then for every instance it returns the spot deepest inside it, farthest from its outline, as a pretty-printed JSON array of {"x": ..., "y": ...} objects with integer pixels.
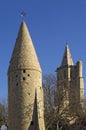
[{"x": 23, "y": 15}]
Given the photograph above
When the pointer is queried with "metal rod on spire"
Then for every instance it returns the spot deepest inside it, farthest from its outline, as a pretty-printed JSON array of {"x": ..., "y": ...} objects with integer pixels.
[{"x": 23, "y": 14}]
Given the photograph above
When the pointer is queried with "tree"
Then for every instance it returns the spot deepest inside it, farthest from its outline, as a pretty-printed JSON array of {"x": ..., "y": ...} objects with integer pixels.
[
  {"x": 80, "y": 123},
  {"x": 3, "y": 111},
  {"x": 57, "y": 112},
  {"x": 49, "y": 86}
]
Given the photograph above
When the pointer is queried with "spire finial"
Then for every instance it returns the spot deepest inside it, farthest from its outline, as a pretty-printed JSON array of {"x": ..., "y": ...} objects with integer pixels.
[
  {"x": 66, "y": 42},
  {"x": 23, "y": 14},
  {"x": 67, "y": 59}
]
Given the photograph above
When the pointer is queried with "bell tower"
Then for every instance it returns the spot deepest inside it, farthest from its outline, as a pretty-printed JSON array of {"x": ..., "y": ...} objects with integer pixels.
[{"x": 70, "y": 83}]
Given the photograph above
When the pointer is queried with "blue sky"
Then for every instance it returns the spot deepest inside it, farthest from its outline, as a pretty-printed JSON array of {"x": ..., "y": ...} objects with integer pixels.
[{"x": 51, "y": 23}]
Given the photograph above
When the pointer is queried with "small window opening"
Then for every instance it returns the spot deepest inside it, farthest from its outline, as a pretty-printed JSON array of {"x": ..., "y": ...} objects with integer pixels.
[
  {"x": 23, "y": 78},
  {"x": 28, "y": 75},
  {"x": 17, "y": 84},
  {"x": 24, "y": 71},
  {"x": 32, "y": 123},
  {"x": 28, "y": 93},
  {"x": 16, "y": 75}
]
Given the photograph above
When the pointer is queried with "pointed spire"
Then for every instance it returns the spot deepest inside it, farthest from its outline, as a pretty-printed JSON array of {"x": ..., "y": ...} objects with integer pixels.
[
  {"x": 24, "y": 54},
  {"x": 67, "y": 59},
  {"x": 35, "y": 115}
]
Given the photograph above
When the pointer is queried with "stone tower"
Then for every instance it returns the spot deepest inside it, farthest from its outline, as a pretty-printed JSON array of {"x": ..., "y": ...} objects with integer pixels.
[
  {"x": 70, "y": 83},
  {"x": 25, "y": 93}
]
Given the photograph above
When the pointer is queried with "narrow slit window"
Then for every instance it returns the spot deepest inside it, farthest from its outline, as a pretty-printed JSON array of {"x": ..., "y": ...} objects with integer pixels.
[
  {"x": 24, "y": 71},
  {"x": 17, "y": 84},
  {"x": 32, "y": 123}
]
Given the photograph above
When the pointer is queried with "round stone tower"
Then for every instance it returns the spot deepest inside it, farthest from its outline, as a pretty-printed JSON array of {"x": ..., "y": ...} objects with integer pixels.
[{"x": 25, "y": 93}]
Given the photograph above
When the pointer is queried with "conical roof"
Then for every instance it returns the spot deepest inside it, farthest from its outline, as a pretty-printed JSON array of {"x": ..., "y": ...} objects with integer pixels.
[
  {"x": 24, "y": 55},
  {"x": 67, "y": 58}
]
